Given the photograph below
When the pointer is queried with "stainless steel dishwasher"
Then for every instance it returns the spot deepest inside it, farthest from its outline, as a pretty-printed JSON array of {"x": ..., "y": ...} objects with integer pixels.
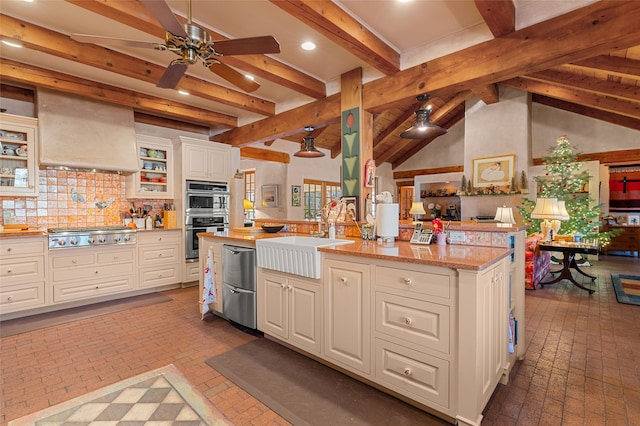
[{"x": 239, "y": 285}]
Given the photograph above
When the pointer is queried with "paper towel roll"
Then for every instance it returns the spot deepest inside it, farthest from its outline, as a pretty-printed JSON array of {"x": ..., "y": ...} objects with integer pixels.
[{"x": 387, "y": 220}]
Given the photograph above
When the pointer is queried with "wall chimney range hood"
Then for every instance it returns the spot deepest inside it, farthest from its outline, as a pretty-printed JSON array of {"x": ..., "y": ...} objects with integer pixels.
[{"x": 81, "y": 134}]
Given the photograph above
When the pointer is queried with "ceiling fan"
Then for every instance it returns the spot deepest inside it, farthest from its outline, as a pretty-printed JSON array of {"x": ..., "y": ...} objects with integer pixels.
[{"x": 192, "y": 43}]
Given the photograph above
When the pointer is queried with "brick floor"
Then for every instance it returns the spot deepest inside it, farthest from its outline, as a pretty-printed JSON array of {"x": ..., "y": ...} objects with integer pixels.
[{"x": 582, "y": 365}]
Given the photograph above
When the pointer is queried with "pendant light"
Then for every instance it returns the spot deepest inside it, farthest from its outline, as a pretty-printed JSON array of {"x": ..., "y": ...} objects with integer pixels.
[
  {"x": 423, "y": 128},
  {"x": 307, "y": 148}
]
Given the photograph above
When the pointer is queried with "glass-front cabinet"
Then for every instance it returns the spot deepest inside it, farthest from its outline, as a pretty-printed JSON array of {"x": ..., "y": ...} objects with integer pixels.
[
  {"x": 18, "y": 153},
  {"x": 154, "y": 179}
]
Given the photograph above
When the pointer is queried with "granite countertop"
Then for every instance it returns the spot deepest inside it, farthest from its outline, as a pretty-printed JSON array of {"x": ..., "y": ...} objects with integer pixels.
[{"x": 449, "y": 256}]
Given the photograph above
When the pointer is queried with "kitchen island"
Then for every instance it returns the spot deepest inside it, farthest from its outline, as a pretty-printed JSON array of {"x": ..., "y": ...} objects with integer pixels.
[{"x": 426, "y": 323}]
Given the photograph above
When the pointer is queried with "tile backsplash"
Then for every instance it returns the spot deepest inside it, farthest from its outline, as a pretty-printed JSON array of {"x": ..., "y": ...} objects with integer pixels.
[{"x": 69, "y": 199}]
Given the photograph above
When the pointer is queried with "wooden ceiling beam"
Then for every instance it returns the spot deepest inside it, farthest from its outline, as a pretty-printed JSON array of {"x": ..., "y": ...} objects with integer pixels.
[
  {"x": 264, "y": 155},
  {"x": 333, "y": 22},
  {"x": 46, "y": 41},
  {"x": 154, "y": 120},
  {"x": 589, "y": 31},
  {"x": 410, "y": 174},
  {"x": 17, "y": 93},
  {"x": 614, "y": 65},
  {"x": 15, "y": 72},
  {"x": 489, "y": 93},
  {"x": 134, "y": 14},
  {"x": 499, "y": 15},
  {"x": 580, "y": 97},
  {"x": 597, "y": 114}
]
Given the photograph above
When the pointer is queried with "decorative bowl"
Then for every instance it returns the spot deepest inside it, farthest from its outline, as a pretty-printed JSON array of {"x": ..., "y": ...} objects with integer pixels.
[{"x": 272, "y": 228}]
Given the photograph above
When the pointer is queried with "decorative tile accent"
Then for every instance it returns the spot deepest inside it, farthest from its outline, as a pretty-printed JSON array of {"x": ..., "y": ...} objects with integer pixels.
[{"x": 500, "y": 239}]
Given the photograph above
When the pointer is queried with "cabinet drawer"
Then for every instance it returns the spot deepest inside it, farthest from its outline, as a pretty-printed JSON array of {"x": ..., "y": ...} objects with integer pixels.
[
  {"x": 24, "y": 246},
  {"x": 92, "y": 272},
  {"x": 159, "y": 237},
  {"x": 192, "y": 272},
  {"x": 158, "y": 255},
  {"x": 81, "y": 290},
  {"x": 417, "y": 375},
  {"x": 159, "y": 276},
  {"x": 115, "y": 257},
  {"x": 73, "y": 260},
  {"x": 14, "y": 271},
  {"x": 413, "y": 281},
  {"x": 18, "y": 298},
  {"x": 416, "y": 321}
]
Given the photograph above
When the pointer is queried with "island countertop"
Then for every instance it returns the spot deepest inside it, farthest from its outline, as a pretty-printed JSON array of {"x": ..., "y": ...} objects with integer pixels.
[{"x": 448, "y": 256}]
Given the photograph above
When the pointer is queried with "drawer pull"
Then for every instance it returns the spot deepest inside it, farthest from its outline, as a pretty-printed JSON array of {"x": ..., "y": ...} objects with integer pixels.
[
  {"x": 96, "y": 272},
  {"x": 289, "y": 287},
  {"x": 343, "y": 280},
  {"x": 74, "y": 261},
  {"x": 9, "y": 299},
  {"x": 408, "y": 321},
  {"x": 283, "y": 285},
  {"x": 160, "y": 239},
  {"x": 97, "y": 287},
  {"x": 407, "y": 371},
  {"x": 408, "y": 281},
  {"x": 159, "y": 254},
  {"x": 9, "y": 271},
  {"x": 160, "y": 275},
  {"x": 9, "y": 249}
]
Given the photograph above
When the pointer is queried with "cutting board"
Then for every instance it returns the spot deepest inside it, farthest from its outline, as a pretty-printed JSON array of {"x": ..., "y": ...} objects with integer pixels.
[{"x": 248, "y": 229}]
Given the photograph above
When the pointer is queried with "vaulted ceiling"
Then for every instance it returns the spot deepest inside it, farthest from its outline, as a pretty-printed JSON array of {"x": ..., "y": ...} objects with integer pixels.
[{"x": 585, "y": 60}]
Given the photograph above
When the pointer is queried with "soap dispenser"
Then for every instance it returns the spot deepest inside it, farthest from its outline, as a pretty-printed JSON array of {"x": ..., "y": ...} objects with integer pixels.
[{"x": 332, "y": 230}]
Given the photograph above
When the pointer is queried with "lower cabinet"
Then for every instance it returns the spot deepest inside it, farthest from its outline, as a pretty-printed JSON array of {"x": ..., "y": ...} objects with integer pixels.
[
  {"x": 208, "y": 246},
  {"x": 290, "y": 308},
  {"x": 159, "y": 258},
  {"x": 347, "y": 323},
  {"x": 84, "y": 273},
  {"x": 22, "y": 273}
]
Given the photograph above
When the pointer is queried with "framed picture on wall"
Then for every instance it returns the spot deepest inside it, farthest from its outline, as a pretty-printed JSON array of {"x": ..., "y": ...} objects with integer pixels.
[
  {"x": 493, "y": 171},
  {"x": 269, "y": 195},
  {"x": 296, "y": 191}
]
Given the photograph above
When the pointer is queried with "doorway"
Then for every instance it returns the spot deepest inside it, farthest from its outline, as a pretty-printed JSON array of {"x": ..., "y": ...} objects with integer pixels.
[{"x": 405, "y": 189}]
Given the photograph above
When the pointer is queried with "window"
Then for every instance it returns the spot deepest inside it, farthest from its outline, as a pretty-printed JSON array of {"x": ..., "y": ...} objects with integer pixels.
[
  {"x": 250, "y": 192},
  {"x": 316, "y": 194}
]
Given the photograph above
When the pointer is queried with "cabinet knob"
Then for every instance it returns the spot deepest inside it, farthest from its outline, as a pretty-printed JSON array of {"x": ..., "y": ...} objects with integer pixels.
[
  {"x": 343, "y": 280},
  {"x": 159, "y": 275},
  {"x": 9, "y": 299},
  {"x": 160, "y": 239},
  {"x": 96, "y": 272},
  {"x": 408, "y": 321},
  {"x": 74, "y": 261},
  {"x": 283, "y": 285},
  {"x": 289, "y": 288},
  {"x": 9, "y": 271},
  {"x": 159, "y": 254},
  {"x": 407, "y": 281},
  {"x": 9, "y": 249},
  {"x": 407, "y": 371},
  {"x": 97, "y": 287}
]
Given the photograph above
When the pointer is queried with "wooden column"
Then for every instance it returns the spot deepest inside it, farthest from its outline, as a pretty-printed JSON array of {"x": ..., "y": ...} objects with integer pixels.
[{"x": 357, "y": 141}]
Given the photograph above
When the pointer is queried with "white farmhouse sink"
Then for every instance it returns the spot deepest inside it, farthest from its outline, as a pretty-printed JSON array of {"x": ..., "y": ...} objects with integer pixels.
[{"x": 294, "y": 255}]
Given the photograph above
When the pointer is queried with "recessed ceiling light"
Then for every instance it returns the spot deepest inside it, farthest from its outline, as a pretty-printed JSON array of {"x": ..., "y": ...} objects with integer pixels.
[
  {"x": 12, "y": 43},
  {"x": 308, "y": 45},
  {"x": 183, "y": 92},
  {"x": 250, "y": 77}
]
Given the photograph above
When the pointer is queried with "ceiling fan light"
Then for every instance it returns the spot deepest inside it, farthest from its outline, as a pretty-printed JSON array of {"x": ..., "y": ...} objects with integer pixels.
[
  {"x": 423, "y": 129},
  {"x": 308, "y": 45},
  {"x": 308, "y": 149},
  {"x": 12, "y": 43}
]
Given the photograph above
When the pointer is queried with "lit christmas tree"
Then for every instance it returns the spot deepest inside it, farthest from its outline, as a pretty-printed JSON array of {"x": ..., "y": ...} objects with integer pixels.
[{"x": 564, "y": 180}]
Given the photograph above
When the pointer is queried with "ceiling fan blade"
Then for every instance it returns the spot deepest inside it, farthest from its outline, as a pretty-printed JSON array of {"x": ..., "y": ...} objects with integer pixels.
[
  {"x": 85, "y": 38},
  {"x": 247, "y": 46},
  {"x": 163, "y": 13},
  {"x": 234, "y": 77},
  {"x": 172, "y": 75}
]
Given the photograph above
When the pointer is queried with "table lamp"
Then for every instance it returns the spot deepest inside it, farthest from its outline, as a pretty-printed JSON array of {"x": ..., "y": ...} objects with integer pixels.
[
  {"x": 416, "y": 208},
  {"x": 504, "y": 216},
  {"x": 564, "y": 215},
  {"x": 548, "y": 210},
  {"x": 247, "y": 205}
]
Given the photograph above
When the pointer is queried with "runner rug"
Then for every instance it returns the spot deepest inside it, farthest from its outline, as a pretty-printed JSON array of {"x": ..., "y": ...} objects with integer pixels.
[
  {"x": 63, "y": 316},
  {"x": 162, "y": 397},
  {"x": 306, "y": 392},
  {"x": 627, "y": 288}
]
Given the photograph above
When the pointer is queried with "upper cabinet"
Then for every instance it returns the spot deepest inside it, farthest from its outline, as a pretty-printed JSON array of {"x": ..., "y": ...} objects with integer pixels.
[
  {"x": 204, "y": 160},
  {"x": 154, "y": 179},
  {"x": 18, "y": 153}
]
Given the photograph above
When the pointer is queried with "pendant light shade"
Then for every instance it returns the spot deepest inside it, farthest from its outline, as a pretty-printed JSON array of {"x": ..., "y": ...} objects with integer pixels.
[
  {"x": 423, "y": 128},
  {"x": 307, "y": 148}
]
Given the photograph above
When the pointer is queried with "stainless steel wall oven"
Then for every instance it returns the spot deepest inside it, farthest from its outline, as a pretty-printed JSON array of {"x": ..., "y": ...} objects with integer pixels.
[{"x": 206, "y": 210}]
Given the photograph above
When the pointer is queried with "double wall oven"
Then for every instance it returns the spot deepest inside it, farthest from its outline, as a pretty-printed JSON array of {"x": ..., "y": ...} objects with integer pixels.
[{"x": 206, "y": 210}]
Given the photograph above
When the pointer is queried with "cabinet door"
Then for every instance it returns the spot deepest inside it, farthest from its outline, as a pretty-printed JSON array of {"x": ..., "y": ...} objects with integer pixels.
[
  {"x": 18, "y": 168},
  {"x": 272, "y": 304},
  {"x": 196, "y": 162},
  {"x": 347, "y": 314},
  {"x": 219, "y": 161},
  {"x": 305, "y": 325}
]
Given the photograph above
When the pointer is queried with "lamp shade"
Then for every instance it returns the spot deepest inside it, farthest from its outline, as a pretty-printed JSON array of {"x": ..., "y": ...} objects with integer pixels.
[
  {"x": 248, "y": 205},
  {"x": 563, "y": 210},
  {"x": 417, "y": 208},
  {"x": 546, "y": 208},
  {"x": 423, "y": 129},
  {"x": 504, "y": 215},
  {"x": 308, "y": 149}
]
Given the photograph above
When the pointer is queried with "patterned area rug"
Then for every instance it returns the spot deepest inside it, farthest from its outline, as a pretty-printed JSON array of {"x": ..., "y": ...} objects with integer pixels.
[
  {"x": 158, "y": 397},
  {"x": 627, "y": 288}
]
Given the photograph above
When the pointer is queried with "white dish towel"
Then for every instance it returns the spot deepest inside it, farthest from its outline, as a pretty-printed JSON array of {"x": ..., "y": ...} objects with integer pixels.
[{"x": 209, "y": 291}]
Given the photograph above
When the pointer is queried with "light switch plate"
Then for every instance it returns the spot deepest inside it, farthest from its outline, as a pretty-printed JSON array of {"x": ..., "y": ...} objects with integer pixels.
[{"x": 456, "y": 236}]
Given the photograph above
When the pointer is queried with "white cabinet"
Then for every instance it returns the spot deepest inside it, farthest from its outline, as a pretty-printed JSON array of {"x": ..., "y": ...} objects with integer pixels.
[
  {"x": 22, "y": 273},
  {"x": 18, "y": 154},
  {"x": 84, "y": 273},
  {"x": 154, "y": 180},
  {"x": 159, "y": 258},
  {"x": 347, "y": 323},
  {"x": 290, "y": 308},
  {"x": 207, "y": 161}
]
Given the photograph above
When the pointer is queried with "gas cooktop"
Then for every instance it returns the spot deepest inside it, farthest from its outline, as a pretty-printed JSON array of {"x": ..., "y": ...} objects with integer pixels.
[{"x": 90, "y": 236}]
